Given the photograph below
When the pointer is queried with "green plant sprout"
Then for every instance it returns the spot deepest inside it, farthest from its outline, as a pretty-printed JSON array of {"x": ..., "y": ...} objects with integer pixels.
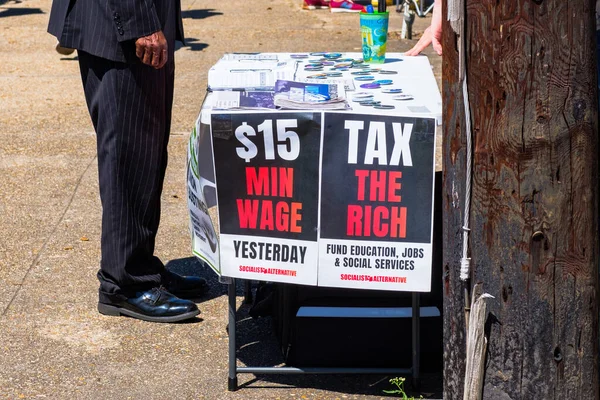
[{"x": 399, "y": 383}]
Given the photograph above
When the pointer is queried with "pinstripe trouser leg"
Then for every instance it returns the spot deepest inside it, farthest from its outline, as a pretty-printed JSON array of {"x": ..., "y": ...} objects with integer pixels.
[{"x": 130, "y": 106}]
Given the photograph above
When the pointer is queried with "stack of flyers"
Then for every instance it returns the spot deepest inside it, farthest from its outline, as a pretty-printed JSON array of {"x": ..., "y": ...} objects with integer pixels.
[
  {"x": 235, "y": 99},
  {"x": 302, "y": 95}
]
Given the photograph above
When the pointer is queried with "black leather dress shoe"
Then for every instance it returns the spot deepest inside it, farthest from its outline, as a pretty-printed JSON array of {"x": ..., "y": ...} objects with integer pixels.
[
  {"x": 185, "y": 287},
  {"x": 154, "y": 305}
]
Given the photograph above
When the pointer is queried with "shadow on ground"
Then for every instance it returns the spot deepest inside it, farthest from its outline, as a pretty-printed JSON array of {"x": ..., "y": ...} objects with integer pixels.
[
  {"x": 18, "y": 11},
  {"x": 191, "y": 266},
  {"x": 199, "y": 14},
  {"x": 191, "y": 43},
  {"x": 258, "y": 346}
]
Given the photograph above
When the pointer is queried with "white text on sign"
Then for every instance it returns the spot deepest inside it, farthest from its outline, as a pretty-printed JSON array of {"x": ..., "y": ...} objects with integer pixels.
[
  {"x": 288, "y": 142},
  {"x": 376, "y": 146}
]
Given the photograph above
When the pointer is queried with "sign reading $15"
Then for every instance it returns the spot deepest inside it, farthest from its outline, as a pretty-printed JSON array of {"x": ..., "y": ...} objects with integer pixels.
[{"x": 277, "y": 137}]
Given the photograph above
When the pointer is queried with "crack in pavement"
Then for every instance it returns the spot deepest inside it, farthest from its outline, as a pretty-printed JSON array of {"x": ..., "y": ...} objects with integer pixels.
[{"x": 51, "y": 235}]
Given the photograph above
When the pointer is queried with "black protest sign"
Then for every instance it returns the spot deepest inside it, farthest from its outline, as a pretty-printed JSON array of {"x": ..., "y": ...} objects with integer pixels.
[
  {"x": 377, "y": 175},
  {"x": 267, "y": 173}
]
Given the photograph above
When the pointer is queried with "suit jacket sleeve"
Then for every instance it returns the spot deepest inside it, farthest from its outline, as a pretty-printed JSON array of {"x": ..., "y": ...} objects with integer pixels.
[{"x": 133, "y": 19}]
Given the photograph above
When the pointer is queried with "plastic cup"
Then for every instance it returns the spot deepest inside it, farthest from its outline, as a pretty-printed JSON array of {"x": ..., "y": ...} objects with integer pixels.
[{"x": 374, "y": 29}]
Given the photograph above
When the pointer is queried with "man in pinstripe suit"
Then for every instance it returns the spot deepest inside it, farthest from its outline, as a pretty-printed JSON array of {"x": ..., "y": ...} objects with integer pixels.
[{"x": 126, "y": 58}]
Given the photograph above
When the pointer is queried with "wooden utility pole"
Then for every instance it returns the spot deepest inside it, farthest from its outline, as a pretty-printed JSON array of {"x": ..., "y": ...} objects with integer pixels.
[{"x": 531, "y": 70}]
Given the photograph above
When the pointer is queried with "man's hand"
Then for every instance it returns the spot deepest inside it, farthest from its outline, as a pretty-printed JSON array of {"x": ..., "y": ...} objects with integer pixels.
[{"x": 152, "y": 50}]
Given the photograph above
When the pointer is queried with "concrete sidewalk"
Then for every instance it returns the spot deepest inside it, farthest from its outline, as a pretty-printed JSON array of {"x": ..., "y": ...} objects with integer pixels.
[{"x": 53, "y": 343}]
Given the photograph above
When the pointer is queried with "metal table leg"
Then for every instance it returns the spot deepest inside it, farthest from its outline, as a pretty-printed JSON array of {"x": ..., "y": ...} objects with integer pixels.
[
  {"x": 419, "y": 5},
  {"x": 232, "y": 383},
  {"x": 234, "y": 370},
  {"x": 248, "y": 291},
  {"x": 416, "y": 340},
  {"x": 407, "y": 23}
]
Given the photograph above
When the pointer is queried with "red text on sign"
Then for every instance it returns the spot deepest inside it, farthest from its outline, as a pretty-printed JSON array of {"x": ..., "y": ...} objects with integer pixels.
[
  {"x": 267, "y": 215},
  {"x": 380, "y": 221},
  {"x": 270, "y": 181},
  {"x": 382, "y": 185}
]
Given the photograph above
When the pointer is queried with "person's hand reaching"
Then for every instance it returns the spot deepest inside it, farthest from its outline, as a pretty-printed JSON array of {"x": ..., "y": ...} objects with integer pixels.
[
  {"x": 152, "y": 49},
  {"x": 432, "y": 35}
]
